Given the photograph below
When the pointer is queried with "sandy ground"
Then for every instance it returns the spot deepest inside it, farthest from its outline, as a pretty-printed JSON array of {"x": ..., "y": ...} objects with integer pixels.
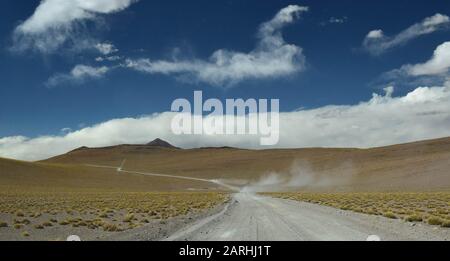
[
  {"x": 154, "y": 230},
  {"x": 158, "y": 230},
  {"x": 256, "y": 218}
]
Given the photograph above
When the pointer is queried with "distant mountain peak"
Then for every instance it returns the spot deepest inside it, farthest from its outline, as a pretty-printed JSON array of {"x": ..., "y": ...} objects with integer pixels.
[
  {"x": 161, "y": 143},
  {"x": 80, "y": 148}
]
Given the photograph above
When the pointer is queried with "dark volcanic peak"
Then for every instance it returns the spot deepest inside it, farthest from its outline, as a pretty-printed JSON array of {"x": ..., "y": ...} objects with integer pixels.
[
  {"x": 80, "y": 148},
  {"x": 161, "y": 143}
]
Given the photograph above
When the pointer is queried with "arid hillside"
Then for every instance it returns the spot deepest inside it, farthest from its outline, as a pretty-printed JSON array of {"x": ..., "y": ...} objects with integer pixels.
[
  {"x": 420, "y": 166},
  {"x": 65, "y": 177}
]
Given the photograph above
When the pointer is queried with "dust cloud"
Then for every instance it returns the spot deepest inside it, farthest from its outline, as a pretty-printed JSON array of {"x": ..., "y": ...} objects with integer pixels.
[{"x": 301, "y": 176}]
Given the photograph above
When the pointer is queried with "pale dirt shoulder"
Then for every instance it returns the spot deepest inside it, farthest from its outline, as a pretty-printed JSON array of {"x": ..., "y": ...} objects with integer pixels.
[
  {"x": 388, "y": 229},
  {"x": 250, "y": 218}
]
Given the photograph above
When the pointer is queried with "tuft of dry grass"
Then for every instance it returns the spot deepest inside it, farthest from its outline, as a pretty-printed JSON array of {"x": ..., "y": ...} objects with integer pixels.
[
  {"x": 390, "y": 215},
  {"x": 111, "y": 227},
  {"x": 18, "y": 226},
  {"x": 446, "y": 223},
  {"x": 129, "y": 218},
  {"x": 22, "y": 221},
  {"x": 414, "y": 218},
  {"x": 435, "y": 221},
  {"x": 38, "y": 226},
  {"x": 103, "y": 215},
  {"x": 64, "y": 223},
  {"x": 47, "y": 224}
]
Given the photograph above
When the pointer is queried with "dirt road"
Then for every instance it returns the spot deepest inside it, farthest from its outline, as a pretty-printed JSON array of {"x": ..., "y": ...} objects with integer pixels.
[
  {"x": 252, "y": 217},
  {"x": 256, "y": 218},
  {"x": 211, "y": 181}
]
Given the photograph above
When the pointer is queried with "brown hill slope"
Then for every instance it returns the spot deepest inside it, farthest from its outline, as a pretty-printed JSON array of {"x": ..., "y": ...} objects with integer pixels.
[
  {"x": 421, "y": 165},
  {"x": 66, "y": 177}
]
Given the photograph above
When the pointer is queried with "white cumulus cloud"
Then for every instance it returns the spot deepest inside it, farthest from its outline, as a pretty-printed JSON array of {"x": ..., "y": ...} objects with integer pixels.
[
  {"x": 437, "y": 65},
  {"x": 106, "y": 48},
  {"x": 424, "y": 113},
  {"x": 54, "y": 22},
  {"x": 376, "y": 42},
  {"x": 435, "y": 70},
  {"x": 78, "y": 74},
  {"x": 272, "y": 57},
  {"x": 375, "y": 34}
]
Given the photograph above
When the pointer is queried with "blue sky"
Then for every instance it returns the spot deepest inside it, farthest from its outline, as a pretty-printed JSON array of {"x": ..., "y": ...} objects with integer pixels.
[{"x": 336, "y": 66}]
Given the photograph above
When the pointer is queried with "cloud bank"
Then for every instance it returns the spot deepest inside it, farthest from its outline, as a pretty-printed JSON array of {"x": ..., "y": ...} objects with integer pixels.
[
  {"x": 272, "y": 57},
  {"x": 377, "y": 43},
  {"x": 421, "y": 114},
  {"x": 54, "y": 22}
]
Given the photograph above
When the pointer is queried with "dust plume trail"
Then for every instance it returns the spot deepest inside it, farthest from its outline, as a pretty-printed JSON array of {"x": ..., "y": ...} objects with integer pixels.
[{"x": 302, "y": 176}]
